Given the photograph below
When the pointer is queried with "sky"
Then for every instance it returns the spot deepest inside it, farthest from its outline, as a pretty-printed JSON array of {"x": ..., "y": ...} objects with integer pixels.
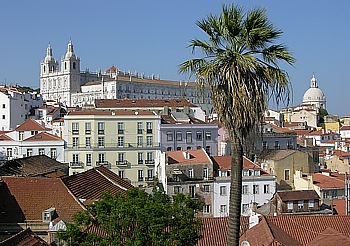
[{"x": 151, "y": 37}]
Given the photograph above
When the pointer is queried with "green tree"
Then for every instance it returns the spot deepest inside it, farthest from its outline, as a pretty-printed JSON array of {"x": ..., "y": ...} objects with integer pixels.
[
  {"x": 137, "y": 218},
  {"x": 240, "y": 64}
]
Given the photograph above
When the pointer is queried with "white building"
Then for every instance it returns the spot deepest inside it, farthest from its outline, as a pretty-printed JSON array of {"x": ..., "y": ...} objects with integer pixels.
[
  {"x": 257, "y": 186},
  {"x": 29, "y": 139},
  {"x": 314, "y": 95},
  {"x": 15, "y": 107},
  {"x": 72, "y": 87}
]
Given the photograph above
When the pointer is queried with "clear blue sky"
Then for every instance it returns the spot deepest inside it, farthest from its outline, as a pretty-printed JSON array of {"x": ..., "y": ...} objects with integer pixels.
[{"x": 152, "y": 36}]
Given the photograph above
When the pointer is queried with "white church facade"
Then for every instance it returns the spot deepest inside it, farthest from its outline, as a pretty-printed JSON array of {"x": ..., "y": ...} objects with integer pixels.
[{"x": 67, "y": 84}]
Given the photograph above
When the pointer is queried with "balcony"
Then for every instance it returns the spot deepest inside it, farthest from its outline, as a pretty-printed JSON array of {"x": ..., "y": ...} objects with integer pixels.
[
  {"x": 78, "y": 164},
  {"x": 149, "y": 179},
  {"x": 114, "y": 145},
  {"x": 149, "y": 131},
  {"x": 122, "y": 163},
  {"x": 149, "y": 162},
  {"x": 106, "y": 164}
]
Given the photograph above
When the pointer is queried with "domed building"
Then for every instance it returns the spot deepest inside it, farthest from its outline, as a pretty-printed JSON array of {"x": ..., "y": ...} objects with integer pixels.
[{"x": 314, "y": 95}]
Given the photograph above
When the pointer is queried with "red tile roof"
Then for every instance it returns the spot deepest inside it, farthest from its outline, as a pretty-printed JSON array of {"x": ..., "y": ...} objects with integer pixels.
[
  {"x": 31, "y": 125},
  {"x": 24, "y": 238},
  {"x": 90, "y": 185},
  {"x": 194, "y": 157},
  {"x": 295, "y": 195},
  {"x": 109, "y": 112},
  {"x": 43, "y": 136},
  {"x": 5, "y": 138},
  {"x": 25, "y": 198},
  {"x": 345, "y": 128},
  {"x": 142, "y": 103},
  {"x": 334, "y": 180},
  {"x": 300, "y": 230},
  {"x": 224, "y": 163},
  {"x": 341, "y": 153}
]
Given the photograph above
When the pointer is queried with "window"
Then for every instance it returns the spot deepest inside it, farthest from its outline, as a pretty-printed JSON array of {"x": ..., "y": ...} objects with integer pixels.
[
  {"x": 33, "y": 133},
  {"x": 3, "y": 116},
  {"x": 177, "y": 189},
  {"x": 289, "y": 205},
  {"x": 206, "y": 209},
  {"x": 121, "y": 174},
  {"x": 101, "y": 158},
  {"x": 121, "y": 158},
  {"x": 245, "y": 208},
  {"x": 139, "y": 141},
  {"x": 245, "y": 189},
  {"x": 205, "y": 172},
  {"x": 255, "y": 189},
  {"x": 120, "y": 128},
  {"x": 101, "y": 142},
  {"x": 139, "y": 127},
  {"x": 198, "y": 136},
  {"x": 311, "y": 203},
  {"x": 3, "y": 106},
  {"x": 53, "y": 153},
  {"x": 256, "y": 172},
  {"x": 101, "y": 127},
  {"x": 168, "y": 149},
  {"x": 325, "y": 194},
  {"x": 150, "y": 174},
  {"x": 300, "y": 204},
  {"x": 149, "y": 141},
  {"x": 120, "y": 142},
  {"x": 75, "y": 143},
  {"x": 190, "y": 173},
  {"x": 88, "y": 142},
  {"x": 223, "y": 209},
  {"x": 223, "y": 191},
  {"x": 206, "y": 188},
  {"x": 286, "y": 174},
  {"x": 88, "y": 159},
  {"x": 266, "y": 189},
  {"x": 207, "y": 135},
  {"x": 75, "y": 159},
  {"x": 149, "y": 158},
  {"x": 189, "y": 148},
  {"x": 169, "y": 136},
  {"x": 334, "y": 194},
  {"x": 41, "y": 151},
  {"x": 207, "y": 149},
  {"x": 140, "y": 175},
  {"x": 178, "y": 136},
  {"x": 149, "y": 127},
  {"x": 9, "y": 152},
  {"x": 87, "y": 128},
  {"x": 192, "y": 191},
  {"x": 29, "y": 152},
  {"x": 178, "y": 148},
  {"x": 188, "y": 137},
  {"x": 265, "y": 145},
  {"x": 75, "y": 128},
  {"x": 277, "y": 145},
  {"x": 140, "y": 158},
  {"x": 21, "y": 135}
]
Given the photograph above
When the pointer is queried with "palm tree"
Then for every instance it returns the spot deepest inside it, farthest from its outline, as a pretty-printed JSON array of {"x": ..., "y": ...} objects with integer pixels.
[{"x": 240, "y": 66}]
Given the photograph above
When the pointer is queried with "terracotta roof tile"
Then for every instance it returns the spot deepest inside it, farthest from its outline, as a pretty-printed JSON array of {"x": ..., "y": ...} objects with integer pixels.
[
  {"x": 194, "y": 157},
  {"x": 224, "y": 163},
  {"x": 24, "y": 238},
  {"x": 4, "y": 137},
  {"x": 43, "y": 136},
  {"x": 292, "y": 195},
  {"x": 345, "y": 128},
  {"x": 32, "y": 166},
  {"x": 334, "y": 180},
  {"x": 142, "y": 103},
  {"x": 90, "y": 185},
  {"x": 111, "y": 112},
  {"x": 31, "y": 125},
  {"x": 25, "y": 198}
]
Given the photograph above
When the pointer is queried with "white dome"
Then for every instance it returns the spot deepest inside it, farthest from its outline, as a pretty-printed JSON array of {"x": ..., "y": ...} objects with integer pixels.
[{"x": 314, "y": 95}]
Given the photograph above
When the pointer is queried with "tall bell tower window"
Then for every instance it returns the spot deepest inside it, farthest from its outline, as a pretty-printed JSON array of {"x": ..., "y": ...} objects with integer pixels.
[
  {"x": 73, "y": 65},
  {"x": 65, "y": 65}
]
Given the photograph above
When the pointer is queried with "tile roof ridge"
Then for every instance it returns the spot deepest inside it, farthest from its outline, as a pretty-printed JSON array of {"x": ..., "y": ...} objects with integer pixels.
[
  {"x": 71, "y": 193},
  {"x": 110, "y": 180}
]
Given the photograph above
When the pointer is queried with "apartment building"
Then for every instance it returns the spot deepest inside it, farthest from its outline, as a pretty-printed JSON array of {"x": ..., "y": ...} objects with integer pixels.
[{"x": 125, "y": 141}]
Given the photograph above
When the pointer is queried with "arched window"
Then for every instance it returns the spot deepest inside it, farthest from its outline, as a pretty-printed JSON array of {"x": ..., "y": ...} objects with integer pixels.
[
  {"x": 65, "y": 65},
  {"x": 73, "y": 65},
  {"x": 44, "y": 68}
]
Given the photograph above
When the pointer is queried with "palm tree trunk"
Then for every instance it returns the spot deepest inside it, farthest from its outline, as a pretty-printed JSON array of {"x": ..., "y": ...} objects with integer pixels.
[{"x": 235, "y": 192}]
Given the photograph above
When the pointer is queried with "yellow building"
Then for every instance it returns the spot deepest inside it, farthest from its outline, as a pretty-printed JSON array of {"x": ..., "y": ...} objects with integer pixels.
[{"x": 125, "y": 141}]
